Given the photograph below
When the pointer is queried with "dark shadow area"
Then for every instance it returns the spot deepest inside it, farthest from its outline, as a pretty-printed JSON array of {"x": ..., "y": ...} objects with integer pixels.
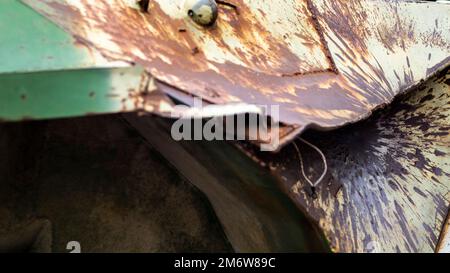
[{"x": 98, "y": 183}]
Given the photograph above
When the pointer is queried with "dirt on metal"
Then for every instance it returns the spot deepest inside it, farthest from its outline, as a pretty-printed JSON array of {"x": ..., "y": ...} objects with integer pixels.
[
  {"x": 388, "y": 189},
  {"x": 326, "y": 63}
]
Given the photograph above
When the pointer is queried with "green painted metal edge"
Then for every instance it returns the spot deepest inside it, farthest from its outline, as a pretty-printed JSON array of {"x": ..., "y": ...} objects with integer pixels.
[
  {"x": 45, "y": 73},
  {"x": 30, "y": 42},
  {"x": 69, "y": 93}
]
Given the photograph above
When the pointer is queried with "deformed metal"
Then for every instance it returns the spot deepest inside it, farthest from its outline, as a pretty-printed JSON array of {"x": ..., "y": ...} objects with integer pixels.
[
  {"x": 326, "y": 63},
  {"x": 388, "y": 188},
  {"x": 444, "y": 241}
]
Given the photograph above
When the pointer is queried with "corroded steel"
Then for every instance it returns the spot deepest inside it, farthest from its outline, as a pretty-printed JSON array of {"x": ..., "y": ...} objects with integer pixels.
[
  {"x": 32, "y": 43},
  {"x": 46, "y": 73},
  {"x": 79, "y": 92},
  {"x": 327, "y": 63},
  {"x": 389, "y": 183},
  {"x": 444, "y": 242}
]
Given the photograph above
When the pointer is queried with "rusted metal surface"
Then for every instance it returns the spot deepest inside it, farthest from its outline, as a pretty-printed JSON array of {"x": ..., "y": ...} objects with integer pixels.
[
  {"x": 388, "y": 188},
  {"x": 327, "y": 63},
  {"x": 31, "y": 43},
  {"x": 444, "y": 242},
  {"x": 46, "y": 73},
  {"x": 78, "y": 92}
]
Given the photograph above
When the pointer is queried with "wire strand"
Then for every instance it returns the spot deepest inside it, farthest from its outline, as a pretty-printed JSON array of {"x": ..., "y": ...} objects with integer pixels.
[{"x": 324, "y": 160}]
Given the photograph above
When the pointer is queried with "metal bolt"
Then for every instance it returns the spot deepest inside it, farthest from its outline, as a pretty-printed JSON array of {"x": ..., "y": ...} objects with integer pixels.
[{"x": 202, "y": 12}]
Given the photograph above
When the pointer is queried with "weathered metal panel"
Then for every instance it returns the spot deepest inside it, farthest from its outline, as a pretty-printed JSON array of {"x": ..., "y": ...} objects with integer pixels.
[
  {"x": 244, "y": 38},
  {"x": 46, "y": 73},
  {"x": 388, "y": 188},
  {"x": 444, "y": 242},
  {"x": 389, "y": 185},
  {"x": 30, "y": 42},
  {"x": 273, "y": 52},
  {"x": 69, "y": 93}
]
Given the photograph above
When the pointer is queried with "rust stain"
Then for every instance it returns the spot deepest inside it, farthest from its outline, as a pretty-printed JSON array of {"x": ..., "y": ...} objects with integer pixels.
[
  {"x": 443, "y": 245},
  {"x": 387, "y": 174},
  {"x": 308, "y": 56}
]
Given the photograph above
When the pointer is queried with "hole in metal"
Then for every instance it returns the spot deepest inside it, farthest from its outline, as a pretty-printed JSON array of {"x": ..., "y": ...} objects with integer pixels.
[{"x": 144, "y": 5}]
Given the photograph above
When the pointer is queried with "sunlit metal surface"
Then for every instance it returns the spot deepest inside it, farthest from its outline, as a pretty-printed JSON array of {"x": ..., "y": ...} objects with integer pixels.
[
  {"x": 388, "y": 189},
  {"x": 327, "y": 63},
  {"x": 444, "y": 242}
]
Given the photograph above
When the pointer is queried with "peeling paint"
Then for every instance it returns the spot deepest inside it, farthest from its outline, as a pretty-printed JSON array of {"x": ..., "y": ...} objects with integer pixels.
[
  {"x": 389, "y": 179},
  {"x": 444, "y": 242},
  {"x": 309, "y": 56}
]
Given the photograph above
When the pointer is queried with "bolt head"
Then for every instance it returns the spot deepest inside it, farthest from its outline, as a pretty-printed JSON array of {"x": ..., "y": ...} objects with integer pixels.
[{"x": 202, "y": 12}]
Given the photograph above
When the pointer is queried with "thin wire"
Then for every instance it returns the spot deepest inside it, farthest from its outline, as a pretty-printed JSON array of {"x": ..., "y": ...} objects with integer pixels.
[{"x": 324, "y": 159}]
